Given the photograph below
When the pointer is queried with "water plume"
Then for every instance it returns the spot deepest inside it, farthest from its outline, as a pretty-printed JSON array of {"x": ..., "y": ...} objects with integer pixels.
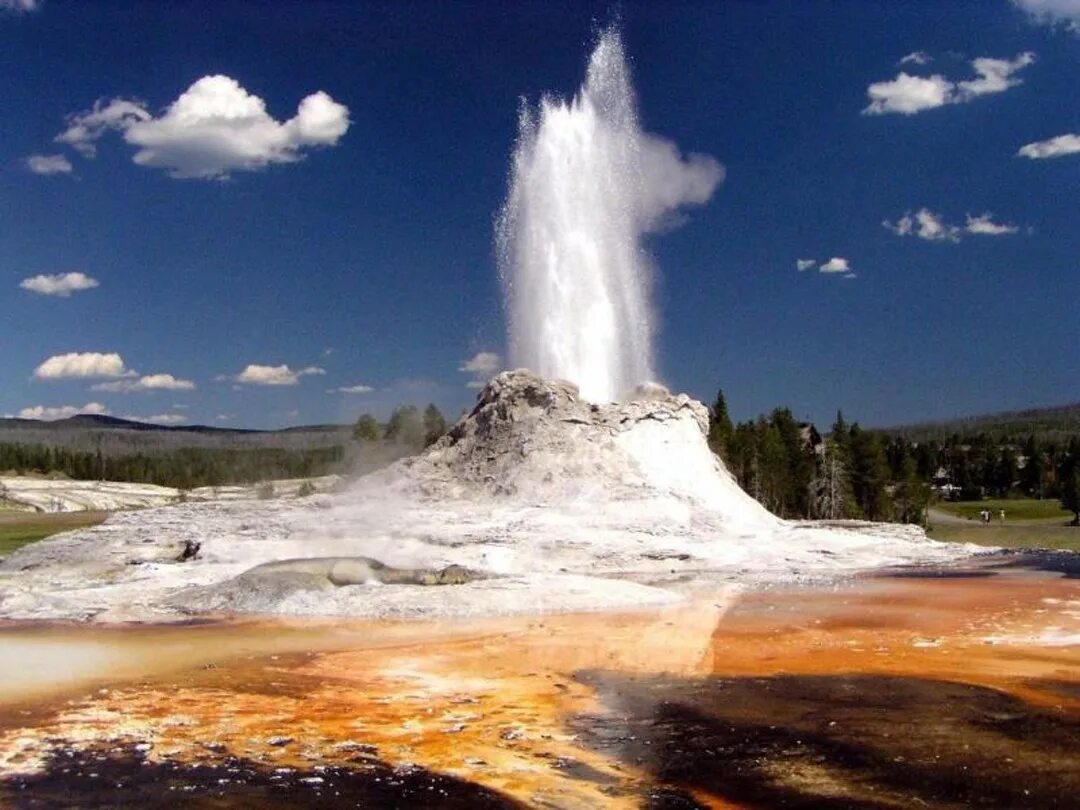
[{"x": 586, "y": 184}]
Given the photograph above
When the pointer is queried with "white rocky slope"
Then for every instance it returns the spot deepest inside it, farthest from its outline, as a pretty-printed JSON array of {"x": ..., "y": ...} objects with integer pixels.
[
  {"x": 573, "y": 505},
  {"x": 35, "y": 494}
]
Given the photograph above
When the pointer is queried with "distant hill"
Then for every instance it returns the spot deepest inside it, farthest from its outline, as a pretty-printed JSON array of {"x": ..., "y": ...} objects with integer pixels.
[
  {"x": 1056, "y": 423},
  {"x": 110, "y": 434}
]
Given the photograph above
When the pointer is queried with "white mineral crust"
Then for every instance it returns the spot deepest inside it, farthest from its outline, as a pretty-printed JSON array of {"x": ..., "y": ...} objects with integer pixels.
[{"x": 574, "y": 506}]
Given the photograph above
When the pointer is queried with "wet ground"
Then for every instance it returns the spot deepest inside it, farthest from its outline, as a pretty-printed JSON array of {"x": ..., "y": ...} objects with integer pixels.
[{"x": 914, "y": 688}]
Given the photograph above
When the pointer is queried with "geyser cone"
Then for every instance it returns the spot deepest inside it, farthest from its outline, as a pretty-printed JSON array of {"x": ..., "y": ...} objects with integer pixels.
[
  {"x": 586, "y": 184},
  {"x": 560, "y": 504}
]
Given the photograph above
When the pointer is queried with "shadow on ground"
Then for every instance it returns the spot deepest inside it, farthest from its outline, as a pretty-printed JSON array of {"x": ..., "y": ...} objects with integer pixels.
[
  {"x": 856, "y": 741},
  {"x": 121, "y": 777}
]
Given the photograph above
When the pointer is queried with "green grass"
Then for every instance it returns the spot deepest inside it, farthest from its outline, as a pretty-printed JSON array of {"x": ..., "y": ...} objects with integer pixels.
[
  {"x": 1015, "y": 536},
  {"x": 1018, "y": 509},
  {"x": 18, "y": 529}
]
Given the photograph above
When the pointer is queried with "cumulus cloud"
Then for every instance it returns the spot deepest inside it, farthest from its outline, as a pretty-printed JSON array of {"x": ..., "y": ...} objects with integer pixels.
[
  {"x": 256, "y": 374},
  {"x": 481, "y": 366},
  {"x": 995, "y": 76},
  {"x": 85, "y": 128},
  {"x": 916, "y": 58},
  {"x": 1060, "y": 146},
  {"x": 82, "y": 365},
  {"x": 48, "y": 413},
  {"x": 61, "y": 285},
  {"x": 481, "y": 363},
  {"x": 353, "y": 389},
  {"x": 925, "y": 224},
  {"x": 214, "y": 128},
  {"x": 837, "y": 264},
  {"x": 159, "y": 419},
  {"x": 1053, "y": 12},
  {"x": 48, "y": 164},
  {"x": 984, "y": 225},
  {"x": 149, "y": 382},
  {"x": 907, "y": 94},
  {"x": 804, "y": 264}
]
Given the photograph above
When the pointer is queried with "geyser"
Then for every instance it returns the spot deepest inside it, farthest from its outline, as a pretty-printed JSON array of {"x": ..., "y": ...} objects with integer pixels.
[{"x": 586, "y": 184}]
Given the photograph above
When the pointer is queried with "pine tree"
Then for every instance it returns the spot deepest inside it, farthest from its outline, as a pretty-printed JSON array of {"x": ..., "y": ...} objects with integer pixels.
[
  {"x": 721, "y": 430},
  {"x": 869, "y": 474},
  {"x": 830, "y": 488},
  {"x": 366, "y": 429},
  {"x": 434, "y": 424}
]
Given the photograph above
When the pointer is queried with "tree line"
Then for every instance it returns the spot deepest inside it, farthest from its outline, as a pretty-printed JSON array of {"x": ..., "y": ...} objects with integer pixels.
[
  {"x": 186, "y": 467},
  {"x": 183, "y": 467},
  {"x": 876, "y": 475}
]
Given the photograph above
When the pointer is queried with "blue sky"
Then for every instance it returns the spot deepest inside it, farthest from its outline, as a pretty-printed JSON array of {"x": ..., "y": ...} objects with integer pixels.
[{"x": 346, "y": 234}]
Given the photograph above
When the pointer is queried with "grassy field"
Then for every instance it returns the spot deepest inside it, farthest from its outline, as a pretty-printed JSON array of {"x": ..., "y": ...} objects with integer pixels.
[
  {"x": 1015, "y": 509},
  {"x": 1028, "y": 524},
  {"x": 1015, "y": 536},
  {"x": 20, "y": 528}
]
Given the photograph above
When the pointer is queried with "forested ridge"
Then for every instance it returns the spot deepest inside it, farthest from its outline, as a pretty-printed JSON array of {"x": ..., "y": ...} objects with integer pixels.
[{"x": 893, "y": 474}]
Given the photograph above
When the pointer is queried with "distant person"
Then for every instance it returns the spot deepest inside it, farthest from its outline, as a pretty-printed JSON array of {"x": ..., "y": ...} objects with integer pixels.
[{"x": 1001, "y": 516}]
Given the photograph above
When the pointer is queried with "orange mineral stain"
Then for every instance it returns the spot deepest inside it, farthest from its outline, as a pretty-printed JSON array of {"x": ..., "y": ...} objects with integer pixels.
[{"x": 544, "y": 710}]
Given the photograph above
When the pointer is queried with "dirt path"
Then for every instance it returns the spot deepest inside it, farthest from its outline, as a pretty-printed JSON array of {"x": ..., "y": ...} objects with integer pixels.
[{"x": 939, "y": 517}]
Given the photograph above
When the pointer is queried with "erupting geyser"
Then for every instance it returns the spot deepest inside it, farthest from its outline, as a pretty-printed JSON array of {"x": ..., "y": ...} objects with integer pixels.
[
  {"x": 546, "y": 496},
  {"x": 586, "y": 184}
]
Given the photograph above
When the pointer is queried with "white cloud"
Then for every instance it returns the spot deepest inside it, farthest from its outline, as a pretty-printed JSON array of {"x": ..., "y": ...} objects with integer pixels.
[
  {"x": 85, "y": 128},
  {"x": 902, "y": 226},
  {"x": 916, "y": 58},
  {"x": 353, "y": 389},
  {"x": 837, "y": 264},
  {"x": 924, "y": 224},
  {"x": 907, "y": 94},
  {"x": 61, "y": 285},
  {"x": 1053, "y": 12},
  {"x": 933, "y": 229},
  {"x": 850, "y": 275},
  {"x": 255, "y": 374},
  {"x": 48, "y": 164},
  {"x": 995, "y": 76},
  {"x": 984, "y": 225},
  {"x": 224, "y": 417},
  {"x": 159, "y": 419},
  {"x": 20, "y": 5},
  {"x": 1068, "y": 144},
  {"x": 82, "y": 365},
  {"x": 927, "y": 225},
  {"x": 49, "y": 414},
  {"x": 150, "y": 382},
  {"x": 804, "y": 264},
  {"x": 214, "y": 128},
  {"x": 481, "y": 363}
]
